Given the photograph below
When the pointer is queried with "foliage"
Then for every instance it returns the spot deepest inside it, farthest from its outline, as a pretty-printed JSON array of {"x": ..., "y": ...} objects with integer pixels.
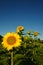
[{"x": 29, "y": 53}]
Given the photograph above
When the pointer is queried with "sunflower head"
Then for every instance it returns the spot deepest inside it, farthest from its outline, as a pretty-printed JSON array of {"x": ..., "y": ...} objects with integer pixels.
[
  {"x": 20, "y": 28},
  {"x": 26, "y": 38},
  {"x": 11, "y": 40},
  {"x": 29, "y": 32},
  {"x": 36, "y": 33}
]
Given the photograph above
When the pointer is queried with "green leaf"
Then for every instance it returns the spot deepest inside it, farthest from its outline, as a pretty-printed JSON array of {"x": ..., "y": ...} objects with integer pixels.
[
  {"x": 18, "y": 62},
  {"x": 18, "y": 56}
]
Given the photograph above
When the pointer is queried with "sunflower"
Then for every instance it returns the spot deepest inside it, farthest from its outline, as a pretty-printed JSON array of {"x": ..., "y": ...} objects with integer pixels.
[
  {"x": 11, "y": 40},
  {"x": 20, "y": 28},
  {"x": 29, "y": 32},
  {"x": 26, "y": 38},
  {"x": 36, "y": 33}
]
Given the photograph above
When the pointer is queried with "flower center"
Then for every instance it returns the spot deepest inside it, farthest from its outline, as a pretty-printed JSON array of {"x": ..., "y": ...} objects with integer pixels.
[{"x": 11, "y": 40}]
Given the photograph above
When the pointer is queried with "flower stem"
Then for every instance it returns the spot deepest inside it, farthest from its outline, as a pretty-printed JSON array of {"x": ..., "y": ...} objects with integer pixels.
[{"x": 12, "y": 58}]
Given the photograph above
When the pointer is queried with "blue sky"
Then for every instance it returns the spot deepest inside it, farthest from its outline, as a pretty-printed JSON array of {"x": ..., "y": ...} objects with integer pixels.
[{"x": 28, "y": 13}]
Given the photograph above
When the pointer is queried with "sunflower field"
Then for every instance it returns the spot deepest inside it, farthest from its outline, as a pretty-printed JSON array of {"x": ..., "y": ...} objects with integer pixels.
[{"x": 19, "y": 48}]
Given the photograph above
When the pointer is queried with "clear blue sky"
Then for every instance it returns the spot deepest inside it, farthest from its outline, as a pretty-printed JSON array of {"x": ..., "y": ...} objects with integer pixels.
[{"x": 28, "y": 13}]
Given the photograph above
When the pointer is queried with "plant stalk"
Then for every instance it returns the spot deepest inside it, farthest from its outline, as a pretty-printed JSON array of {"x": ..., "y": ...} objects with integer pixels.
[{"x": 12, "y": 58}]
